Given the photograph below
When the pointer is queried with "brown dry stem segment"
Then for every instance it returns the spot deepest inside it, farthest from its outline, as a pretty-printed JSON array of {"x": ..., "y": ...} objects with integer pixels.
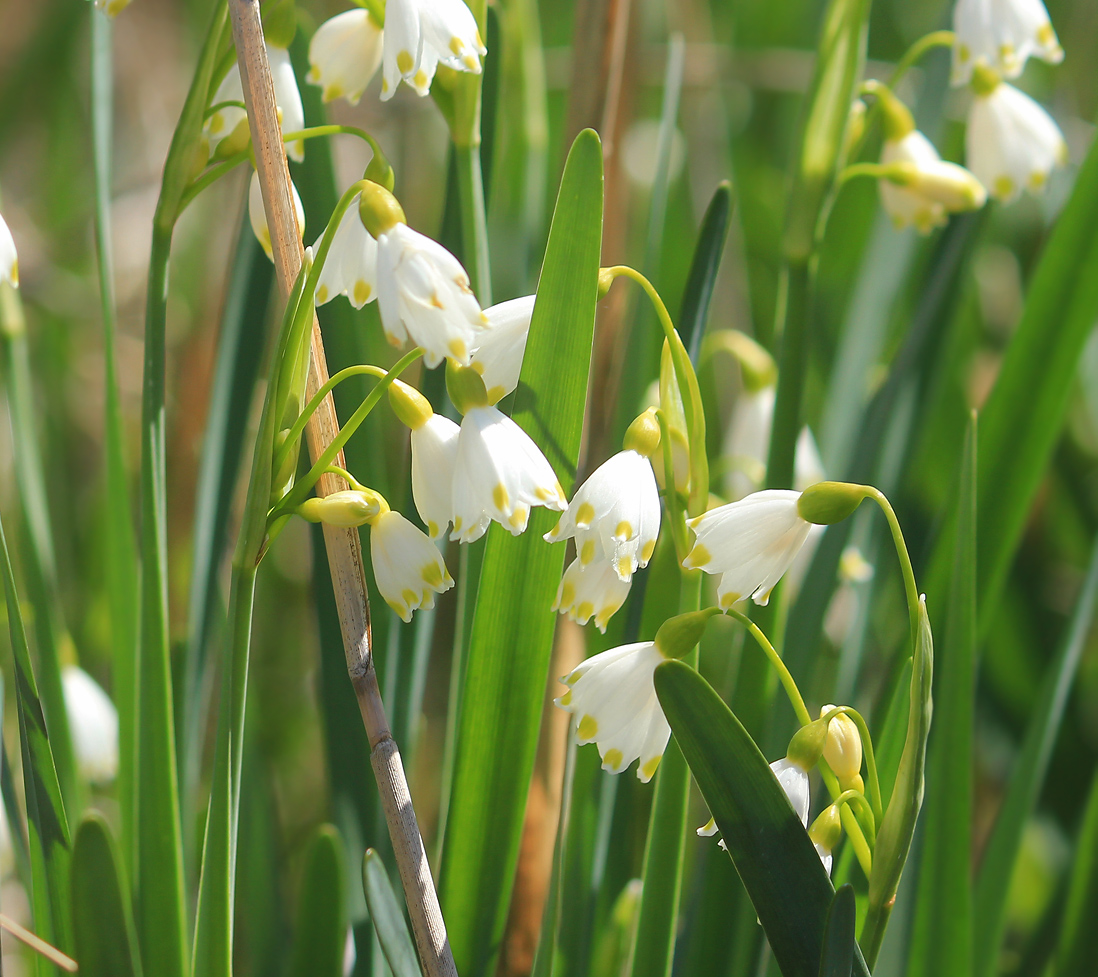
[{"x": 343, "y": 545}]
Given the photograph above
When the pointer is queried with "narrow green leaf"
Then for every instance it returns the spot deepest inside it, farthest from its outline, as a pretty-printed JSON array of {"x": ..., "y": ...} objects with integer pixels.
[
  {"x": 47, "y": 825},
  {"x": 837, "y": 958},
  {"x": 704, "y": 266},
  {"x": 1001, "y": 853},
  {"x": 388, "y": 917},
  {"x": 104, "y": 940},
  {"x": 768, "y": 844},
  {"x": 321, "y": 932},
  {"x": 503, "y": 693},
  {"x": 942, "y": 939},
  {"x": 1078, "y": 947},
  {"x": 546, "y": 953}
]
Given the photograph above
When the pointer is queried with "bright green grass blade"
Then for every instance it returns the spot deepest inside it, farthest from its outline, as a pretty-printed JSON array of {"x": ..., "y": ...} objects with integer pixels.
[
  {"x": 512, "y": 632},
  {"x": 942, "y": 938},
  {"x": 837, "y": 957},
  {"x": 704, "y": 266},
  {"x": 388, "y": 917},
  {"x": 768, "y": 844},
  {"x": 321, "y": 931},
  {"x": 1078, "y": 947},
  {"x": 47, "y": 825},
  {"x": 1000, "y": 855},
  {"x": 1023, "y": 416},
  {"x": 16, "y": 826},
  {"x": 103, "y": 935}
]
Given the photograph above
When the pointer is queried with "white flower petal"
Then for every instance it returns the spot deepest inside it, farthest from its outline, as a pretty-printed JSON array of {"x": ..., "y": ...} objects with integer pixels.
[
  {"x": 344, "y": 54},
  {"x": 902, "y": 204},
  {"x": 825, "y": 856},
  {"x": 408, "y": 567},
  {"x": 1001, "y": 34},
  {"x": 794, "y": 781},
  {"x": 351, "y": 266},
  {"x": 434, "y": 453},
  {"x": 93, "y": 721},
  {"x": 497, "y": 356},
  {"x": 591, "y": 590},
  {"x": 258, "y": 216},
  {"x": 9, "y": 259},
  {"x": 421, "y": 34}
]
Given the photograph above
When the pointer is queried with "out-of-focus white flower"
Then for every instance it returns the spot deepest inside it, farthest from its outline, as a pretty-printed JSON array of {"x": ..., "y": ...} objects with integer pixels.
[
  {"x": 616, "y": 513},
  {"x": 499, "y": 473},
  {"x": 614, "y": 697},
  {"x": 498, "y": 353},
  {"x": 422, "y": 34},
  {"x": 258, "y": 216},
  {"x": 351, "y": 266},
  {"x": 112, "y": 8},
  {"x": 344, "y": 54},
  {"x": 751, "y": 543},
  {"x": 408, "y": 567},
  {"x": 794, "y": 781},
  {"x": 1011, "y": 143},
  {"x": 843, "y": 609},
  {"x": 591, "y": 590},
  {"x": 225, "y": 121},
  {"x": 434, "y": 452},
  {"x": 423, "y": 292},
  {"x": 9, "y": 259},
  {"x": 93, "y": 722},
  {"x": 1001, "y": 34}
]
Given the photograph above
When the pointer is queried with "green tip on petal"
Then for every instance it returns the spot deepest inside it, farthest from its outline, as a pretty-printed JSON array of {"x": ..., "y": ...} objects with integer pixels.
[
  {"x": 379, "y": 209},
  {"x": 829, "y": 502},
  {"x": 807, "y": 745},
  {"x": 465, "y": 387}
]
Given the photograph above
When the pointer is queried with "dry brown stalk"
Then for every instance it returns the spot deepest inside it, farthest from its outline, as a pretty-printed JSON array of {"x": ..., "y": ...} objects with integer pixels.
[{"x": 343, "y": 545}]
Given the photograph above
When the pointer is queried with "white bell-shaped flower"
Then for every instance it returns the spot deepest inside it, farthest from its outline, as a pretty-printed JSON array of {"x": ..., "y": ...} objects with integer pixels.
[
  {"x": 408, "y": 567},
  {"x": 615, "y": 512},
  {"x": 226, "y": 120},
  {"x": 93, "y": 722},
  {"x": 794, "y": 781},
  {"x": 422, "y": 34},
  {"x": 351, "y": 266},
  {"x": 499, "y": 473},
  {"x": 826, "y": 858},
  {"x": 344, "y": 54},
  {"x": 434, "y": 452},
  {"x": 591, "y": 590},
  {"x": 750, "y": 543},
  {"x": 423, "y": 292},
  {"x": 614, "y": 697},
  {"x": 1011, "y": 143},
  {"x": 500, "y": 347},
  {"x": 9, "y": 259},
  {"x": 747, "y": 441},
  {"x": 1001, "y": 34},
  {"x": 112, "y": 8},
  {"x": 258, "y": 216}
]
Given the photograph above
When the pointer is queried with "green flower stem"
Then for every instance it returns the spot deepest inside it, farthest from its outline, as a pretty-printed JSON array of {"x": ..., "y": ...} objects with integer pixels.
[
  {"x": 302, "y": 488},
  {"x": 877, "y": 171},
  {"x": 299, "y": 425},
  {"x": 474, "y": 221},
  {"x": 911, "y": 590},
  {"x": 672, "y": 500},
  {"x": 211, "y": 176},
  {"x": 917, "y": 50},
  {"x": 855, "y": 798},
  {"x": 227, "y": 104},
  {"x": 874, "y": 784},
  {"x": 345, "y": 475},
  {"x": 788, "y": 683}
]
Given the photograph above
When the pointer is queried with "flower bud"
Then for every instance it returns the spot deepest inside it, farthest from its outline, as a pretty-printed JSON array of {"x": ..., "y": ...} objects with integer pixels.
[
  {"x": 347, "y": 509},
  {"x": 807, "y": 745},
  {"x": 379, "y": 209},
  {"x": 827, "y": 829},
  {"x": 896, "y": 118},
  {"x": 280, "y": 23},
  {"x": 410, "y": 406},
  {"x": 465, "y": 387},
  {"x": 829, "y": 502},
  {"x": 606, "y": 279},
  {"x": 942, "y": 182},
  {"x": 380, "y": 171},
  {"x": 643, "y": 435},
  {"x": 679, "y": 635},
  {"x": 843, "y": 749}
]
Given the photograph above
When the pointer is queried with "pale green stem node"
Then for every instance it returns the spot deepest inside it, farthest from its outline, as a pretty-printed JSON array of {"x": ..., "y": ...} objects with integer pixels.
[
  {"x": 410, "y": 406},
  {"x": 465, "y": 387},
  {"x": 679, "y": 635},
  {"x": 829, "y": 502},
  {"x": 379, "y": 209},
  {"x": 643, "y": 435}
]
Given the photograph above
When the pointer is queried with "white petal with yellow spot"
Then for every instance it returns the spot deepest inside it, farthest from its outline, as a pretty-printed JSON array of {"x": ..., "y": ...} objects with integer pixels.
[
  {"x": 794, "y": 781},
  {"x": 1001, "y": 34},
  {"x": 1011, "y": 143},
  {"x": 407, "y": 566},
  {"x": 591, "y": 590},
  {"x": 344, "y": 54},
  {"x": 422, "y": 34},
  {"x": 423, "y": 292},
  {"x": 904, "y": 205},
  {"x": 434, "y": 452},
  {"x": 351, "y": 266},
  {"x": 93, "y": 721},
  {"x": 497, "y": 356},
  {"x": 750, "y": 543},
  {"x": 258, "y": 216},
  {"x": 614, "y": 700},
  {"x": 499, "y": 474}
]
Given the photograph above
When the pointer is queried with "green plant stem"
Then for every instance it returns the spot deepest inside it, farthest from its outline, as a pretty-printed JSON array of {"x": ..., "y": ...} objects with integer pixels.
[
  {"x": 793, "y": 311},
  {"x": 910, "y": 588},
  {"x": 788, "y": 683},
  {"x": 657, "y": 917},
  {"x": 915, "y": 53},
  {"x": 474, "y": 221},
  {"x": 855, "y": 798},
  {"x": 671, "y": 498}
]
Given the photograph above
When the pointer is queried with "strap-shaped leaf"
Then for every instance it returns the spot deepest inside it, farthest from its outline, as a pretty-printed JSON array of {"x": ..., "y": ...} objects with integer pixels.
[
  {"x": 103, "y": 934},
  {"x": 768, "y": 844},
  {"x": 512, "y": 633},
  {"x": 839, "y": 946},
  {"x": 703, "y": 269},
  {"x": 388, "y": 917},
  {"x": 321, "y": 932}
]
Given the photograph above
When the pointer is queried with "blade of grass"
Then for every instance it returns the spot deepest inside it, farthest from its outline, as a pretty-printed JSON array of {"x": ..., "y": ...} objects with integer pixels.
[
  {"x": 321, "y": 931},
  {"x": 942, "y": 938},
  {"x": 837, "y": 957},
  {"x": 103, "y": 935},
  {"x": 1001, "y": 853},
  {"x": 1078, "y": 947},
  {"x": 501, "y": 709},
  {"x": 47, "y": 825},
  {"x": 387, "y": 917},
  {"x": 705, "y": 264}
]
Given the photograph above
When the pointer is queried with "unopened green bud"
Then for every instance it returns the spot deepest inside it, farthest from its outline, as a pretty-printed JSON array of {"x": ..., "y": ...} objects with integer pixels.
[
  {"x": 349, "y": 508},
  {"x": 643, "y": 435},
  {"x": 606, "y": 279},
  {"x": 679, "y": 635},
  {"x": 279, "y": 23},
  {"x": 807, "y": 745},
  {"x": 843, "y": 750},
  {"x": 380, "y": 171},
  {"x": 757, "y": 366},
  {"x": 827, "y": 829},
  {"x": 829, "y": 502},
  {"x": 465, "y": 387},
  {"x": 896, "y": 118},
  {"x": 379, "y": 209},
  {"x": 235, "y": 142},
  {"x": 855, "y": 126},
  {"x": 413, "y": 409},
  {"x": 984, "y": 79}
]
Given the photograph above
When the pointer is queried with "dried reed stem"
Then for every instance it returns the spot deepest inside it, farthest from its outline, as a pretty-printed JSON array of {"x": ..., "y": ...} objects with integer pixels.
[{"x": 343, "y": 545}]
